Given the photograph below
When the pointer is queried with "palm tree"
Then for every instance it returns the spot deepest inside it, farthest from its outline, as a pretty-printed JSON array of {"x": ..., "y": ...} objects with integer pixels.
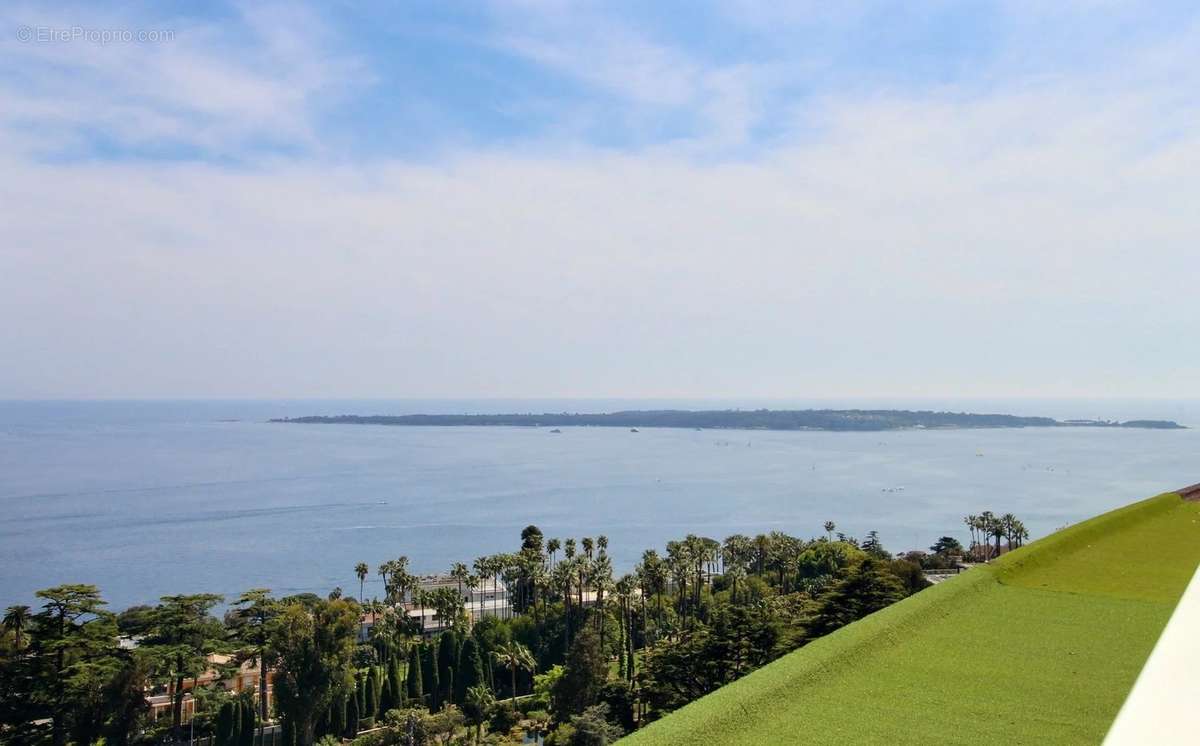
[
  {"x": 552, "y": 547},
  {"x": 419, "y": 597},
  {"x": 385, "y": 574},
  {"x": 560, "y": 578},
  {"x": 16, "y": 620},
  {"x": 654, "y": 582},
  {"x": 969, "y": 522},
  {"x": 582, "y": 565},
  {"x": 625, "y": 588},
  {"x": 711, "y": 549},
  {"x": 1022, "y": 533},
  {"x": 679, "y": 569},
  {"x": 762, "y": 548},
  {"x": 602, "y": 581},
  {"x": 460, "y": 573},
  {"x": 588, "y": 546},
  {"x": 497, "y": 563},
  {"x": 514, "y": 655},
  {"x": 471, "y": 583},
  {"x": 402, "y": 579},
  {"x": 483, "y": 568},
  {"x": 479, "y": 700},
  {"x": 738, "y": 550},
  {"x": 602, "y": 544},
  {"x": 375, "y": 608},
  {"x": 361, "y": 570},
  {"x": 829, "y": 527},
  {"x": 995, "y": 529}
]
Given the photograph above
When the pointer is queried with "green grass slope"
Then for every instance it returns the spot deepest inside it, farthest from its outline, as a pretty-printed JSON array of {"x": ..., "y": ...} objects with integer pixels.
[{"x": 1041, "y": 647}]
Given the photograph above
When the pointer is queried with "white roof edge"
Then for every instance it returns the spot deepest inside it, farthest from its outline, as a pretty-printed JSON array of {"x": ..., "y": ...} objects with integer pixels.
[{"x": 1162, "y": 708}]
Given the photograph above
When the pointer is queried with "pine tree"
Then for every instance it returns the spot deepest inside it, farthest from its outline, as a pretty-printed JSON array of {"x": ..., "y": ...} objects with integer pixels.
[{"x": 867, "y": 589}]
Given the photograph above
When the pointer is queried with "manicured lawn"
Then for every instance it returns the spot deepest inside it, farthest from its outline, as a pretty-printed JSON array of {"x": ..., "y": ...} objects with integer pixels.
[{"x": 1040, "y": 648}]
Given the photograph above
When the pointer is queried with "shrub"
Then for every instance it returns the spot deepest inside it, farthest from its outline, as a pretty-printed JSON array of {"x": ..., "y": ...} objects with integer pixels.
[
  {"x": 504, "y": 719},
  {"x": 563, "y": 735},
  {"x": 369, "y": 739},
  {"x": 593, "y": 727},
  {"x": 538, "y": 716},
  {"x": 534, "y": 703}
]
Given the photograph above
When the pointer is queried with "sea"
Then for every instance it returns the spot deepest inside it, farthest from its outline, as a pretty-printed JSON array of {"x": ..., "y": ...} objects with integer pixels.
[{"x": 148, "y": 498}]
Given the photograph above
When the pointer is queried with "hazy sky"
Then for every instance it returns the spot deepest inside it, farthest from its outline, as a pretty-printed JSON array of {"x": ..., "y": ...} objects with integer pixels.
[{"x": 543, "y": 199}]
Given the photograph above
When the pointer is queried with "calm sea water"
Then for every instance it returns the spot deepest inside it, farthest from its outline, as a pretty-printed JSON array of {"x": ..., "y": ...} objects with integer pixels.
[{"x": 149, "y": 498}]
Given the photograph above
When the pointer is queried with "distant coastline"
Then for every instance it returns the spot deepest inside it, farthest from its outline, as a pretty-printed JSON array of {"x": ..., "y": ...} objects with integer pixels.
[{"x": 736, "y": 419}]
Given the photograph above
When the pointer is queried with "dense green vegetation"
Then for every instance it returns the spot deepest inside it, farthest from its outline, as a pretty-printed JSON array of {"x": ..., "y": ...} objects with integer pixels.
[
  {"x": 749, "y": 419},
  {"x": 1040, "y": 647},
  {"x": 757, "y": 419},
  {"x": 579, "y": 654}
]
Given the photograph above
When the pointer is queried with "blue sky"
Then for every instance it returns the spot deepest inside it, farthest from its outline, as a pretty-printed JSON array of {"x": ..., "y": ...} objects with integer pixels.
[
  {"x": 599, "y": 199},
  {"x": 415, "y": 79}
]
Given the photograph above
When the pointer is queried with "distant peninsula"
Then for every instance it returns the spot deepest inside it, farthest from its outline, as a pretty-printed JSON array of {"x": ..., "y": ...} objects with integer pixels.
[{"x": 735, "y": 419}]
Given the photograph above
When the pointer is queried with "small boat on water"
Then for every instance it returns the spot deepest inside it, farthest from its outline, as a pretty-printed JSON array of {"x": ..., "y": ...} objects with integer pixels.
[
  {"x": 556, "y": 430},
  {"x": 633, "y": 430}
]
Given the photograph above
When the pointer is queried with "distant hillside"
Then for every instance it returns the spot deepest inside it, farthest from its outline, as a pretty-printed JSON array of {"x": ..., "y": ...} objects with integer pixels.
[{"x": 758, "y": 419}]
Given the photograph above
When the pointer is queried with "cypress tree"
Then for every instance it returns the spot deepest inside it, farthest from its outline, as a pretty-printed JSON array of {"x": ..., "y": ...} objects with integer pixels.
[
  {"x": 249, "y": 721},
  {"x": 387, "y": 700},
  {"x": 429, "y": 674},
  {"x": 621, "y": 671},
  {"x": 360, "y": 694},
  {"x": 321, "y": 727},
  {"x": 337, "y": 717},
  {"x": 379, "y": 712},
  {"x": 226, "y": 727},
  {"x": 630, "y": 653},
  {"x": 469, "y": 671},
  {"x": 396, "y": 681},
  {"x": 352, "y": 718},
  {"x": 369, "y": 693},
  {"x": 416, "y": 695},
  {"x": 447, "y": 659}
]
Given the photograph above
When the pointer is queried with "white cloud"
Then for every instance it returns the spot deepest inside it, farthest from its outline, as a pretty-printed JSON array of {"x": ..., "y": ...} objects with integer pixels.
[
  {"x": 215, "y": 86},
  {"x": 1036, "y": 238}
]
